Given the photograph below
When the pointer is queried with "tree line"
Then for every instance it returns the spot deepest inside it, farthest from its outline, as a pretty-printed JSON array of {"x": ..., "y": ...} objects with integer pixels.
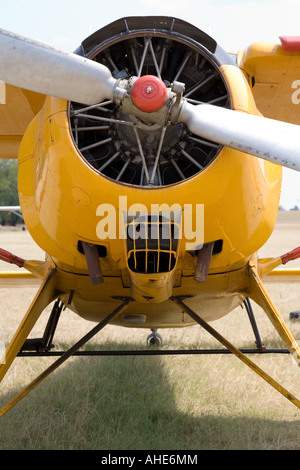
[{"x": 9, "y": 190}]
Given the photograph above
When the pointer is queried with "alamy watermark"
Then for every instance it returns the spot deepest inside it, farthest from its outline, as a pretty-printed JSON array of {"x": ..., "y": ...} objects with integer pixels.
[
  {"x": 295, "y": 355},
  {"x": 296, "y": 94},
  {"x": 2, "y": 352},
  {"x": 186, "y": 222}
]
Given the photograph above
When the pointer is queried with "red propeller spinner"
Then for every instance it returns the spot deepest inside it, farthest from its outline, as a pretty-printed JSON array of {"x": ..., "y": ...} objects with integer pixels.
[{"x": 149, "y": 93}]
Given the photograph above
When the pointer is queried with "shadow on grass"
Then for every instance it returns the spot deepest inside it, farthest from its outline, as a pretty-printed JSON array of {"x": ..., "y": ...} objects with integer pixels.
[{"x": 128, "y": 403}]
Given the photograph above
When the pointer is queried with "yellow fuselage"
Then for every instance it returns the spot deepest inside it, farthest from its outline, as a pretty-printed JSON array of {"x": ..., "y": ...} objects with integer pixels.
[{"x": 60, "y": 193}]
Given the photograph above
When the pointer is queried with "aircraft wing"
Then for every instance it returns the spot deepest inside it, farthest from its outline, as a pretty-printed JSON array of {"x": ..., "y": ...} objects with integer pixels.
[
  {"x": 273, "y": 70},
  {"x": 283, "y": 276},
  {"x": 18, "y": 279},
  {"x": 17, "y": 109}
]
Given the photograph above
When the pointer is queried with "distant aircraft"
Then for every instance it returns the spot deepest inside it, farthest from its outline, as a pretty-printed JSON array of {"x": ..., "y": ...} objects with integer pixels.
[
  {"x": 150, "y": 165},
  {"x": 12, "y": 209}
]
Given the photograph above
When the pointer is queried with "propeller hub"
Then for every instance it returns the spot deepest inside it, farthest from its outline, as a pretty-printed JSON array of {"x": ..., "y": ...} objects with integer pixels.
[{"x": 149, "y": 93}]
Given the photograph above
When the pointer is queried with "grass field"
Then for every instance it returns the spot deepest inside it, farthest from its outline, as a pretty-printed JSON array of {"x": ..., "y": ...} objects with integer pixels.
[{"x": 160, "y": 402}]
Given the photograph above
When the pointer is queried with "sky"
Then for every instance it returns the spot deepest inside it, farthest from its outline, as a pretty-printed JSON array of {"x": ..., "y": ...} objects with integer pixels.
[{"x": 234, "y": 24}]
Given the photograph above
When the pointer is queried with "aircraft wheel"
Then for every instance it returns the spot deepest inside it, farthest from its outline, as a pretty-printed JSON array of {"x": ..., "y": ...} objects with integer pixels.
[
  {"x": 295, "y": 315},
  {"x": 154, "y": 339}
]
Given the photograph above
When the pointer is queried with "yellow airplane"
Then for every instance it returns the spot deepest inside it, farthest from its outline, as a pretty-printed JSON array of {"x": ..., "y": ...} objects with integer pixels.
[{"x": 150, "y": 164}]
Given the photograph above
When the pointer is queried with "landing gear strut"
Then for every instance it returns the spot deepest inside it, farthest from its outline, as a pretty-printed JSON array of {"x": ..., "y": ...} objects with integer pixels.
[
  {"x": 179, "y": 302},
  {"x": 125, "y": 301}
]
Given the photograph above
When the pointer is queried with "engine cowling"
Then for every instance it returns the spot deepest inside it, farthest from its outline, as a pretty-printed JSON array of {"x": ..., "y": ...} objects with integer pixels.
[
  {"x": 76, "y": 157},
  {"x": 172, "y": 51}
]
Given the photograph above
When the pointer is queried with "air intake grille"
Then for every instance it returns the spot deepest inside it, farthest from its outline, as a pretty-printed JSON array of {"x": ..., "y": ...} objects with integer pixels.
[{"x": 152, "y": 242}]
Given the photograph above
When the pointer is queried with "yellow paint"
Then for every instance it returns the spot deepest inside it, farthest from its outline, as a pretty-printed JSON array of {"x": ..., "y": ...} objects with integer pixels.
[
  {"x": 60, "y": 193},
  {"x": 18, "y": 279},
  {"x": 276, "y": 78},
  {"x": 18, "y": 107}
]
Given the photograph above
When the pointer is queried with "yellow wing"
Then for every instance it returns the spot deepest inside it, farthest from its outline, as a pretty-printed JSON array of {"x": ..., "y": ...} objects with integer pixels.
[
  {"x": 274, "y": 70},
  {"x": 17, "y": 109}
]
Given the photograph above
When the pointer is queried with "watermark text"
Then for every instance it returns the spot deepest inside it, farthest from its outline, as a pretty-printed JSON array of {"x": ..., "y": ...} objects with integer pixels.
[{"x": 136, "y": 222}]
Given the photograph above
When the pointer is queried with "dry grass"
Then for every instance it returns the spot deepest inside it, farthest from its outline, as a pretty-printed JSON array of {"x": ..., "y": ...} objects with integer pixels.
[{"x": 161, "y": 402}]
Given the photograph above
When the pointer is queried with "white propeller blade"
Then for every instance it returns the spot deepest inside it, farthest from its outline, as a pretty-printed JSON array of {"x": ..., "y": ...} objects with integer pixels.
[
  {"x": 37, "y": 67},
  {"x": 275, "y": 141}
]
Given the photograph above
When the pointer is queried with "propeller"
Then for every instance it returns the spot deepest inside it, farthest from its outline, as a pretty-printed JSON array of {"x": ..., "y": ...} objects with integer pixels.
[
  {"x": 34, "y": 66},
  {"x": 29, "y": 64},
  {"x": 271, "y": 140}
]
